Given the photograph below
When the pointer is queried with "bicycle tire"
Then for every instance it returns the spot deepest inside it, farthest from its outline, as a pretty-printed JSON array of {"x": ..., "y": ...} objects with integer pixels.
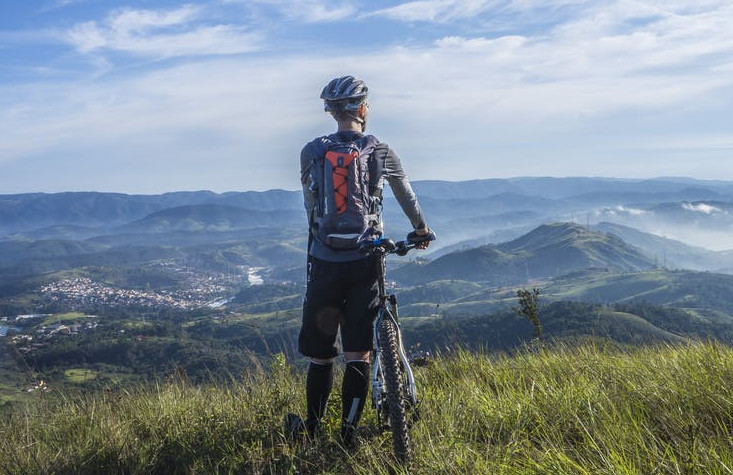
[{"x": 393, "y": 382}]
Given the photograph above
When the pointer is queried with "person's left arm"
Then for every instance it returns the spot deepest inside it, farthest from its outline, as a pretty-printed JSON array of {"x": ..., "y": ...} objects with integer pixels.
[{"x": 402, "y": 190}]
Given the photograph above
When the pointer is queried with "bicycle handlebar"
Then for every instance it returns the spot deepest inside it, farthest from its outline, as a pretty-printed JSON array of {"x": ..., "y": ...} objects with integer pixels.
[{"x": 388, "y": 246}]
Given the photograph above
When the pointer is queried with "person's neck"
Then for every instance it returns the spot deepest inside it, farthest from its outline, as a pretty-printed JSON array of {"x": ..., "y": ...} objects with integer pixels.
[{"x": 349, "y": 126}]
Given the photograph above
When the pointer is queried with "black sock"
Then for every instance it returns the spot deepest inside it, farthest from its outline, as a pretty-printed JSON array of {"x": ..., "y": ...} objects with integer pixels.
[
  {"x": 318, "y": 386},
  {"x": 354, "y": 391}
]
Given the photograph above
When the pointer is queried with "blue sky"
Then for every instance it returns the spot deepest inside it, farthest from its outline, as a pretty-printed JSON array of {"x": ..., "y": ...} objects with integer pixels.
[{"x": 161, "y": 95}]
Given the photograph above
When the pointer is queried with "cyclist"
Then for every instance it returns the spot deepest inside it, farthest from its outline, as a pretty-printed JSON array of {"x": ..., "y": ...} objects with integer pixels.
[{"x": 342, "y": 284}]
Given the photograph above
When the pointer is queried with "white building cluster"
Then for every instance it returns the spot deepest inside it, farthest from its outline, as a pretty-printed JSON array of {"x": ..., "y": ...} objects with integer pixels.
[{"x": 83, "y": 292}]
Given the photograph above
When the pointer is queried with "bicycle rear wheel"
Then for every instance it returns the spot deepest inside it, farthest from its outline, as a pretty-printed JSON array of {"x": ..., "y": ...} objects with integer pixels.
[{"x": 393, "y": 381}]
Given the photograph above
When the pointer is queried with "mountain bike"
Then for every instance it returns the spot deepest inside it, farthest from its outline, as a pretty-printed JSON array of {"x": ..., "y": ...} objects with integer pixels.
[{"x": 394, "y": 394}]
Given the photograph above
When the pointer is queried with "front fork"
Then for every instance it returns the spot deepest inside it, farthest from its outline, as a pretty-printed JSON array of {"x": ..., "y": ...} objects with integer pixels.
[{"x": 379, "y": 391}]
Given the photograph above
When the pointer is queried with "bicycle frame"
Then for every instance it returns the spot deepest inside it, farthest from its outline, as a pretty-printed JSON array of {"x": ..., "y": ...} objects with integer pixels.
[{"x": 394, "y": 393}]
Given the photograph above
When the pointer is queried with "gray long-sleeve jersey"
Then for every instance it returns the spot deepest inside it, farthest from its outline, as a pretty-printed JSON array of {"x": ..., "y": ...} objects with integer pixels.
[{"x": 391, "y": 170}]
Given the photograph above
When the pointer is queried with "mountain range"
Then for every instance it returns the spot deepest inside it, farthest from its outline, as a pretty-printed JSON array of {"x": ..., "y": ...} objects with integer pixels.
[
  {"x": 459, "y": 209},
  {"x": 628, "y": 260},
  {"x": 502, "y": 231}
]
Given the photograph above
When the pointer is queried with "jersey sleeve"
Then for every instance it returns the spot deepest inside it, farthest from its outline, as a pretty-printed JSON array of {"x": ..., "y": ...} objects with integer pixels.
[{"x": 401, "y": 188}]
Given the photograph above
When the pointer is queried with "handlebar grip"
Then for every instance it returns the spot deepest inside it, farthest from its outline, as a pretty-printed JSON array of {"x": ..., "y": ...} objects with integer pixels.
[{"x": 414, "y": 238}]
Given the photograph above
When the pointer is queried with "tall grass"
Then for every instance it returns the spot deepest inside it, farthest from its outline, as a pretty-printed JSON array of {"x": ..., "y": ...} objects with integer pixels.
[{"x": 562, "y": 410}]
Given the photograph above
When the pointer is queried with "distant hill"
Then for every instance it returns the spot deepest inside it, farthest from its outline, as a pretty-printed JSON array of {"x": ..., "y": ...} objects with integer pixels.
[
  {"x": 491, "y": 232},
  {"x": 25, "y": 212},
  {"x": 574, "y": 246},
  {"x": 37, "y": 210},
  {"x": 643, "y": 197},
  {"x": 57, "y": 231},
  {"x": 213, "y": 217},
  {"x": 704, "y": 296},
  {"x": 707, "y": 293},
  {"x": 562, "y": 188},
  {"x": 670, "y": 253},
  {"x": 561, "y": 320},
  {"x": 549, "y": 250},
  {"x": 475, "y": 210},
  {"x": 14, "y": 252}
]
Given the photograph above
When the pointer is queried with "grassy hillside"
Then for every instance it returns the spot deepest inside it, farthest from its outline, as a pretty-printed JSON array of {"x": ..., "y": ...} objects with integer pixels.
[
  {"x": 679, "y": 289},
  {"x": 564, "y": 410},
  {"x": 704, "y": 293}
]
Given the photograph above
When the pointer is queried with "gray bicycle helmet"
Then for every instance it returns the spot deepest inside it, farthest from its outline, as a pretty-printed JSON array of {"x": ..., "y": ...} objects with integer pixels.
[{"x": 344, "y": 94}]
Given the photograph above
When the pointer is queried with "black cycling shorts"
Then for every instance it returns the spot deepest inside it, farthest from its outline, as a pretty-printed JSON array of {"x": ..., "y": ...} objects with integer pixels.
[{"x": 341, "y": 295}]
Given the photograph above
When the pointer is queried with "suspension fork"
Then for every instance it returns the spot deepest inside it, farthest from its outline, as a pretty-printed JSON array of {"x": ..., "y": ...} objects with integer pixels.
[
  {"x": 377, "y": 372},
  {"x": 390, "y": 312},
  {"x": 411, "y": 387}
]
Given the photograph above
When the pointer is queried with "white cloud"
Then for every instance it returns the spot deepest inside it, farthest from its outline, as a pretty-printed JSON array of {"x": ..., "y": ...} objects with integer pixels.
[
  {"x": 87, "y": 37},
  {"x": 307, "y": 11},
  {"x": 703, "y": 208},
  {"x": 700, "y": 141},
  {"x": 189, "y": 126},
  {"x": 623, "y": 210},
  {"x": 319, "y": 13},
  {"x": 444, "y": 11},
  {"x": 133, "y": 21},
  {"x": 618, "y": 57},
  {"x": 59, "y": 4},
  {"x": 161, "y": 34},
  {"x": 424, "y": 10},
  {"x": 621, "y": 88}
]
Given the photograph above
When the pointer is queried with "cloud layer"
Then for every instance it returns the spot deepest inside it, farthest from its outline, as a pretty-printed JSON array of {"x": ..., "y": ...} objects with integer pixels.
[
  {"x": 193, "y": 96},
  {"x": 161, "y": 34}
]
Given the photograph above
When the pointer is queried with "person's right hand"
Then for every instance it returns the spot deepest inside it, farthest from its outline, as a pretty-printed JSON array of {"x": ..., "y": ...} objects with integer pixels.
[{"x": 419, "y": 233}]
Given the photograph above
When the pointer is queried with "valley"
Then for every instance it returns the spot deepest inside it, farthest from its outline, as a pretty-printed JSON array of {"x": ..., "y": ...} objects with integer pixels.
[{"x": 194, "y": 282}]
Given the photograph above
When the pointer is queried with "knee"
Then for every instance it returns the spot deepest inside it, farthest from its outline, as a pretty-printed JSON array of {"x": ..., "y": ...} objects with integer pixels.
[{"x": 356, "y": 356}]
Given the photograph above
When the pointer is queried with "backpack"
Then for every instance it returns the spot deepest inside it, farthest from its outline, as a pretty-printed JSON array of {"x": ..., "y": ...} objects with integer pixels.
[{"x": 345, "y": 179}]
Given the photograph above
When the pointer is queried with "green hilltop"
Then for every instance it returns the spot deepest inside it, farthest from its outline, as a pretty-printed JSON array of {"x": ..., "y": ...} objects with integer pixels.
[{"x": 547, "y": 251}]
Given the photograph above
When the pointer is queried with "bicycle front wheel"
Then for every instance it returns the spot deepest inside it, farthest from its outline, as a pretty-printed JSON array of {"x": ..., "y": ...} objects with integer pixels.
[{"x": 394, "y": 381}]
